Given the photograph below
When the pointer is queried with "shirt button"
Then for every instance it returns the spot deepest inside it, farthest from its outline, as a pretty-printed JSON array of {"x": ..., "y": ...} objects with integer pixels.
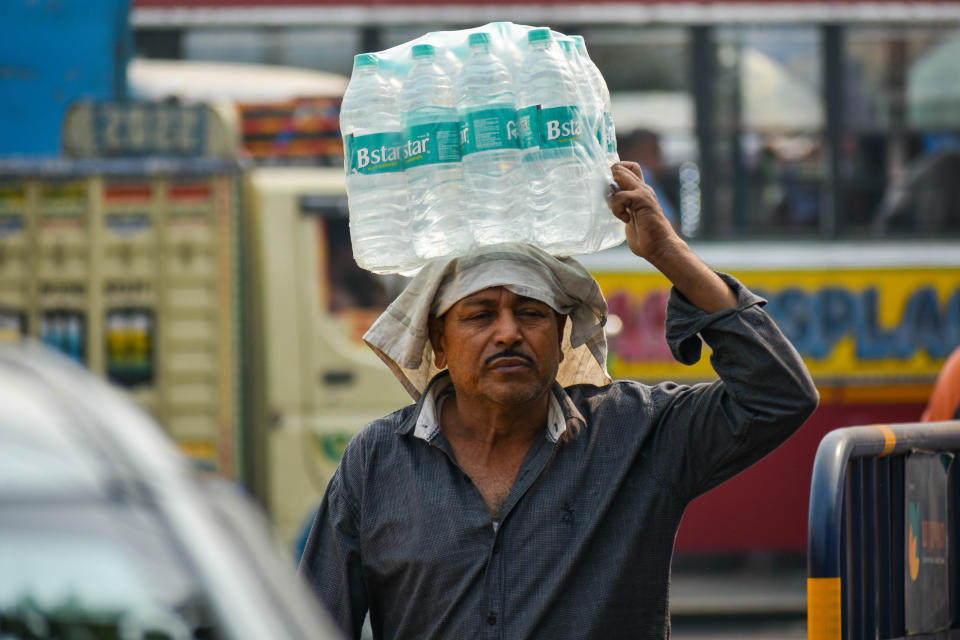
[{"x": 492, "y": 619}]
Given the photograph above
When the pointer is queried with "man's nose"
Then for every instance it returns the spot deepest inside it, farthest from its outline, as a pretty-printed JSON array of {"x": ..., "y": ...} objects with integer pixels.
[{"x": 507, "y": 329}]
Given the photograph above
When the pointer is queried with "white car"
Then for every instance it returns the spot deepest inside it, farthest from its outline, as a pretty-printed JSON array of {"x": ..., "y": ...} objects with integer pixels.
[{"x": 107, "y": 531}]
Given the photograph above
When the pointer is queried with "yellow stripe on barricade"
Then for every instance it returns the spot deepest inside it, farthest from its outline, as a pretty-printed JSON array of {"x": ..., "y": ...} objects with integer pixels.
[
  {"x": 890, "y": 440},
  {"x": 823, "y": 609}
]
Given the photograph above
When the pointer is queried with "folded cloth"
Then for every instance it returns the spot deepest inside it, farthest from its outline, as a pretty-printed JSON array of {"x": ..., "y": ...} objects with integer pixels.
[{"x": 400, "y": 335}]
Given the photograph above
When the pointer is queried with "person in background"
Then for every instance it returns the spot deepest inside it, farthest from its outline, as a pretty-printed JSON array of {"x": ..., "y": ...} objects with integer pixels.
[
  {"x": 944, "y": 403},
  {"x": 525, "y": 494},
  {"x": 927, "y": 199},
  {"x": 643, "y": 147}
]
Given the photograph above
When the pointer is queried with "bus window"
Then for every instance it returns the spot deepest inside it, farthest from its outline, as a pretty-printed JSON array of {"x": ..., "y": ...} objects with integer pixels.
[
  {"x": 229, "y": 45},
  {"x": 770, "y": 156},
  {"x": 647, "y": 71},
  {"x": 902, "y": 150},
  {"x": 328, "y": 49}
]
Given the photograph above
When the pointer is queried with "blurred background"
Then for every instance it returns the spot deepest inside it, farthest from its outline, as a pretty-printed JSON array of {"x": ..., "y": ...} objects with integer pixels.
[{"x": 173, "y": 217}]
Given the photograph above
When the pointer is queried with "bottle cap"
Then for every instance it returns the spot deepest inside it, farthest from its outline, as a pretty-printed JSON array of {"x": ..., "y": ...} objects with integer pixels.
[
  {"x": 478, "y": 38},
  {"x": 566, "y": 45},
  {"x": 579, "y": 41},
  {"x": 365, "y": 60},
  {"x": 423, "y": 50},
  {"x": 539, "y": 35}
]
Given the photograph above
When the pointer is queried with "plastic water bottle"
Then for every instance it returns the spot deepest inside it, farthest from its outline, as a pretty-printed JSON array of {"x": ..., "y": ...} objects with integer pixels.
[
  {"x": 373, "y": 155},
  {"x": 591, "y": 110},
  {"x": 559, "y": 189},
  {"x": 609, "y": 231},
  {"x": 487, "y": 106},
  {"x": 608, "y": 136},
  {"x": 431, "y": 132}
]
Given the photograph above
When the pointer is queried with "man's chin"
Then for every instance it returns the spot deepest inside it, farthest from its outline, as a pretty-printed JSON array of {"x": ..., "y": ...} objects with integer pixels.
[{"x": 515, "y": 394}]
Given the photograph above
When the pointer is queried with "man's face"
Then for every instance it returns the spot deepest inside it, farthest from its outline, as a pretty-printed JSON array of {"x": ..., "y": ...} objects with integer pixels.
[{"x": 499, "y": 346}]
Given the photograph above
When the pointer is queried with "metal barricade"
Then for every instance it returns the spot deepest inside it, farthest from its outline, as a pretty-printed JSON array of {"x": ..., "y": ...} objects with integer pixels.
[{"x": 856, "y": 530}]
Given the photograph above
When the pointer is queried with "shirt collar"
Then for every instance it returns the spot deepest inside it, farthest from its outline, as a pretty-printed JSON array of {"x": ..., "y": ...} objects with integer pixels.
[
  {"x": 427, "y": 425},
  {"x": 425, "y": 422}
]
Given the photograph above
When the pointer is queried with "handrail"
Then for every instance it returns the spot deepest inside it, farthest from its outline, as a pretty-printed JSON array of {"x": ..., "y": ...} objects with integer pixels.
[{"x": 825, "y": 552}]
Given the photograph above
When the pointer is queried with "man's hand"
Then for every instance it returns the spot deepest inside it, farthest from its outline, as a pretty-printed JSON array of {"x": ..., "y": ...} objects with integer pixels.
[
  {"x": 651, "y": 236},
  {"x": 636, "y": 205}
]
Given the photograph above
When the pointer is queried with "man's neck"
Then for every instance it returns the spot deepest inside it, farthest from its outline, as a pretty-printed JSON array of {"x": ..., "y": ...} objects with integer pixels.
[
  {"x": 493, "y": 425},
  {"x": 490, "y": 442}
]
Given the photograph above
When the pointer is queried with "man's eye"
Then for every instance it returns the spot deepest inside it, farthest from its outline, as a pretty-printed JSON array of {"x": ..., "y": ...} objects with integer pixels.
[{"x": 532, "y": 313}]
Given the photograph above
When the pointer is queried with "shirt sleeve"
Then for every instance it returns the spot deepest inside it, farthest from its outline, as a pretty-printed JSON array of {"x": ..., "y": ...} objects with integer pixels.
[
  {"x": 331, "y": 560},
  {"x": 709, "y": 432}
]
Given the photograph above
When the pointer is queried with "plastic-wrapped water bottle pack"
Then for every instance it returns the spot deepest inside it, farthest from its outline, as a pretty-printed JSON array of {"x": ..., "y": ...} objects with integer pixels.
[{"x": 496, "y": 134}]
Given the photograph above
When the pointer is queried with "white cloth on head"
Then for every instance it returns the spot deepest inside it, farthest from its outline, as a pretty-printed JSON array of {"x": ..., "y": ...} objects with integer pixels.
[{"x": 400, "y": 335}]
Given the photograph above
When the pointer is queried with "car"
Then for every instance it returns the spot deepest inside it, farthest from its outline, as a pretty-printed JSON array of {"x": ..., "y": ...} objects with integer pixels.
[{"x": 108, "y": 531}]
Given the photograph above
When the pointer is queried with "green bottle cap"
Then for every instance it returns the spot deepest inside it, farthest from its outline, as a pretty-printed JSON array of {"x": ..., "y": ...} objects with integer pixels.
[
  {"x": 423, "y": 50},
  {"x": 365, "y": 60},
  {"x": 478, "y": 38},
  {"x": 539, "y": 35}
]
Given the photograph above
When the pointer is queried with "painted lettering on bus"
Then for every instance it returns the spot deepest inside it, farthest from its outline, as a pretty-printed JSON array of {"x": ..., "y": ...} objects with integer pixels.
[
  {"x": 641, "y": 337},
  {"x": 815, "y": 322}
]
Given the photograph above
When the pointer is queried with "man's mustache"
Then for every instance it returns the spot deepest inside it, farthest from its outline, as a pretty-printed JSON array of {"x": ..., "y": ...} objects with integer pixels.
[{"x": 509, "y": 354}]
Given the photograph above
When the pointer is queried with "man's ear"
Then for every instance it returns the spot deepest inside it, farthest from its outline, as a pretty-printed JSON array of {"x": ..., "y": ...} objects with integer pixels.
[{"x": 435, "y": 331}]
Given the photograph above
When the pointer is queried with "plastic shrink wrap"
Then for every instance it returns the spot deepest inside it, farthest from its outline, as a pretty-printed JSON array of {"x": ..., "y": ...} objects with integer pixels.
[{"x": 500, "y": 133}]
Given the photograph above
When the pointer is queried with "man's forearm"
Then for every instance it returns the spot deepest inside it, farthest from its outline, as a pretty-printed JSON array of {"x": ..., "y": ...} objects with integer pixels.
[
  {"x": 651, "y": 236},
  {"x": 692, "y": 277}
]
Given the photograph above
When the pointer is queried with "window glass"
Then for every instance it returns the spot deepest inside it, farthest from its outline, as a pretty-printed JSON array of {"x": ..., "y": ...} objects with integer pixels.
[
  {"x": 393, "y": 35},
  {"x": 226, "y": 45},
  {"x": 901, "y": 152},
  {"x": 325, "y": 49},
  {"x": 330, "y": 49},
  {"x": 648, "y": 73},
  {"x": 350, "y": 286},
  {"x": 355, "y": 296},
  {"x": 769, "y": 154},
  {"x": 641, "y": 59}
]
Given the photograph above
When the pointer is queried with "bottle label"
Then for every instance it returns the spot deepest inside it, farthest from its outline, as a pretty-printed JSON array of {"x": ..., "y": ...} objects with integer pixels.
[
  {"x": 488, "y": 129},
  {"x": 528, "y": 124},
  {"x": 374, "y": 153},
  {"x": 549, "y": 128},
  {"x": 432, "y": 143}
]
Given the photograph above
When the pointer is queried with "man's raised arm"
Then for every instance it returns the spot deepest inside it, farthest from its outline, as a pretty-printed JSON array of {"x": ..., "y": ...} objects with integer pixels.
[{"x": 651, "y": 236}]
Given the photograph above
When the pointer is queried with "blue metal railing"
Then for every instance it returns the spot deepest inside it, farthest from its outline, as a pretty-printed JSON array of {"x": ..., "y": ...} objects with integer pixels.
[{"x": 855, "y": 541}]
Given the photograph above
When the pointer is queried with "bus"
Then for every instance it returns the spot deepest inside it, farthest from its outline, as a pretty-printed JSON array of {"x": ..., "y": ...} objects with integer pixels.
[{"x": 806, "y": 148}]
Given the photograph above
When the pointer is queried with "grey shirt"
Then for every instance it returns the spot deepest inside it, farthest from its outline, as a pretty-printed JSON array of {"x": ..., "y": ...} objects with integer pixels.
[{"x": 584, "y": 545}]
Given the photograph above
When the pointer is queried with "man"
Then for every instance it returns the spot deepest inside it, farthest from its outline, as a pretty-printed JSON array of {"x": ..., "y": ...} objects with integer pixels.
[{"x": 524, "y": 495}]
